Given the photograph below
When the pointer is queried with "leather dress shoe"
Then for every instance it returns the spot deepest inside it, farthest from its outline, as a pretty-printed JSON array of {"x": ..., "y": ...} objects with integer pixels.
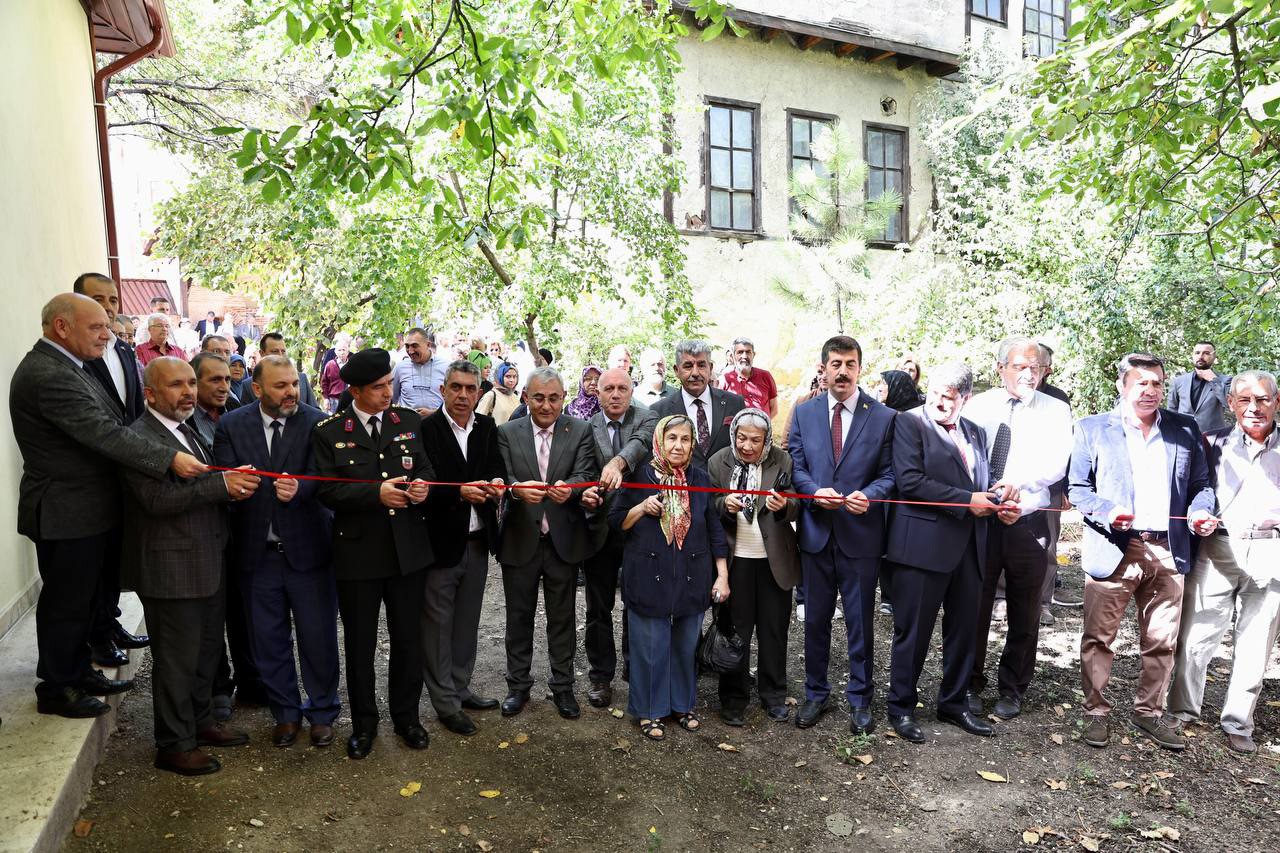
[
  {"x": 97, "y": 684},
  {"x": 321, "y": 735},
  {"x": 600, "y": 695},
  {"x": 72, "y": 702},
  {"x": 193, "y": 762},
  {"x": 810, "y": 712},
  {"x": 968, "y": 722},
  {"x": 515, "y": 702},
  {"x": 358, "y": 746},
  {"x": 907, "y": 728},
  {"x": 221, "y": 736},
  {"x": 735, "y": 717},
  {"x": 975, "y": 703},
  {"x": 1241, "y": 743},
  {"x": 124, "y": 640},
  {"x": 458, "y": 723},
  {"x": 566, "y": 704},
  {"x": 108, "y": 655},
  {"x": 479, "y": 703},
  {"x": 285, "y": 734},
  {"x": 778, "y": 713},
  {"x": 861, "y": 722},
  {"x": 1008, "y": 707},
  {"x": 414, "y": 736}
]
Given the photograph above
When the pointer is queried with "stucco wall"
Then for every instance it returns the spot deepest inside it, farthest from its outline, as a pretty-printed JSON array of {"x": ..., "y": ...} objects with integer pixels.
[{"x": 51, "y": 207}]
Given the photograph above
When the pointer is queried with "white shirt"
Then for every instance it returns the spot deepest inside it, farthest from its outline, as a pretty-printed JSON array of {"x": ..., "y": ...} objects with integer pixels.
[
  {"x": 364, "y": 418},
  {"x": 60, "y": 348},
  {"x": 173, "y": 427},
  {"x": 1040, "y": 441},
  {"x": 462, "y": 435},
  {"x": 1249, "y": 482},
  {"x": 115, "y": 367},
  {"x": 692, "y": 410},
  {"x": 846, "y": 416},
  {"x": 1149, "y": 467}
]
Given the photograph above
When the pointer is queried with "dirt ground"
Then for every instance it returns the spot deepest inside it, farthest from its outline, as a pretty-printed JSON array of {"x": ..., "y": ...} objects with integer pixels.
[{"x": 596, "y": 784}]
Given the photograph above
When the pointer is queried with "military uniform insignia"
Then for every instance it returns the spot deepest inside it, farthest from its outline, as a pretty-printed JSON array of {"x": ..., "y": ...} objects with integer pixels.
[
  {"x": 406, "y": 462},
  {"x": 349, "y": 425},
  {"x": 340, "y": 444},
  {"x": 395, "y": 419},
  {"x": 405, "y": 436}
]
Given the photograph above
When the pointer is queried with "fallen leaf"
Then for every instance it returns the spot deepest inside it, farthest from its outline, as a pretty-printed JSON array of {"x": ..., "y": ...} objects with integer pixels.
[
  {"x": 253, "y": 821},
  {"x": 800, "y": 764},
  {"x": 1056, "y": 739},
  {"x": 83, "y": 828},
  {"x": 1055, "y": 785},
  {"x": 1058, "y": 711},
  {"x": 839, "y": 825},
  {"x": 410, "y": 789},
  {"x": 1088, "y": 842},
  {"x": 1162, "y": 774},
  {"x": 617, "y": 713},
  {"x": 1120, "y": 786},
  {"x": 1273, "y": 703},
  {"x": 490, "y": 794},
  {"x": 727, "y": 747},
  {"x": 503, "y": 745},
  {"x": 863, "y": 759},
  {"x": 1029, "y": 837},
  {"x": 522, "y": 738},
  {"x": 1161, "y": 832},
  {"x": 464, "y": 830},
  {"x": 168, "y": 835},
  {"x": 484, "y": 845},
  {"x": 622, "y": 745},
  {"x": 991, "y": 777},
  {"x": 1253, "y": 780},
  {"x": 891, "y": 733}
]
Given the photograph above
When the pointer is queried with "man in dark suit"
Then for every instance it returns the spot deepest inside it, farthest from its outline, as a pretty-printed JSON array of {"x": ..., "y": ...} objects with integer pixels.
[
  {"x": 214, "y": 398},
  {"x": 462, "y": 522},
  {"x": 623, "y": 432},
  {"x": 283, "y": 554},
  {"x": 207, "y": 326},
  {"x": 545, "y": 534},
  {"x": 710, "y": 409},
  {"x": 1202, "y": 393},
  {"x": 841, "y": 444},
  {"x": 71, "y": 437},
  {"x": 380, "y": 543},
  {"x": 174, "y": 545},
  {"x": 273, "y": 343},
  {"x": 938, "y": 552}
]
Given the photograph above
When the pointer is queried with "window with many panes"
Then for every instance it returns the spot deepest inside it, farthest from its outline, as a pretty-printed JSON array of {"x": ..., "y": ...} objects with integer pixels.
[
  {"x": 992, "y": 10},
  {"x": 886, "y": 155},
  {"x": 803, "y": 130},
  {"x": 732, "y": 195},
  {"x": 1044, "y": 26}
]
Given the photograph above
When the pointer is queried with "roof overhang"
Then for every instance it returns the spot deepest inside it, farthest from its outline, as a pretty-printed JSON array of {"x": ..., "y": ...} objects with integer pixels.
[{"x": 123, "y": 26}]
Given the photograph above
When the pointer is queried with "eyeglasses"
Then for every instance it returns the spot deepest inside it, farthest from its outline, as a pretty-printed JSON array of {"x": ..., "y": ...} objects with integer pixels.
[
  {"x": 543, "y": 399},
  {"x": 1261, "y": 402}
]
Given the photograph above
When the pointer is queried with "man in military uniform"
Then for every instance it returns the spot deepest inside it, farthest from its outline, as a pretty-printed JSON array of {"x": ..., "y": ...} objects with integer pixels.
[{"x": 380, "y": 544}]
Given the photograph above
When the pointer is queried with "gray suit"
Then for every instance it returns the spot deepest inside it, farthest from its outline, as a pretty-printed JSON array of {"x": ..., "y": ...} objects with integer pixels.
[{"x": 1211, "y": 410}]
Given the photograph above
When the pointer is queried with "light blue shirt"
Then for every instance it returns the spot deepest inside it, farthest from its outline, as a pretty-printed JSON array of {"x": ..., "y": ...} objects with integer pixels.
[{"x": 417, "y": 386}]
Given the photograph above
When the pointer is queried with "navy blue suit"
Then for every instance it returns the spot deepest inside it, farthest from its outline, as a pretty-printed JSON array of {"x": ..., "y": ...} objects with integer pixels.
[
  {"x": 839, "y": 550},
  {"x": 291, "y": 576}
]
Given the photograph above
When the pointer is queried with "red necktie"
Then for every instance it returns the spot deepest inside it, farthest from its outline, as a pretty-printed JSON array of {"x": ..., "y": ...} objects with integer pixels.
[{"x": 837, "y": 433}]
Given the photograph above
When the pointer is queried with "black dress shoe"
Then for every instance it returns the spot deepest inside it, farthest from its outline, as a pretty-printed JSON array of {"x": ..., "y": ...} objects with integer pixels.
[
  {"x": 108, "y": 655},
  {"x": 124, "y": 640},
  {"x": 861, "y": 722},
  {"x": 907, "y": 728},
  {"x": 97, "y": 684},
  {"x": 600, "y": 695},
  {"x": 479, "y": 703},
  {"x": 566, "y": 704},
  {"x": 414, "y": 736},
  {"x": 285, "y": 735},
  {"x": 515, "y": 702},
  {"x": 72, "y": 702},
  {"x": 1008, "y": 707},
  {"x": 967, "y": 721},
  {"x": 778, "y": 713},
  {"x": 358, "y": 746},
  {"x": 735, "y": 717},
  {"x": 458, "y": 723},
  {"x": 193, "y": 762},
  {"x": 809, "y": 713},
  {"x": 975, "y": 703}
]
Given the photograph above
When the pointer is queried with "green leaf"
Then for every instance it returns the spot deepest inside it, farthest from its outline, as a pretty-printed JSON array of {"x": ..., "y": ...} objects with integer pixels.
[
  {"x": 293, "y": 28},
  {"x": 558, "y": 139},
  {"x": 225, "y": 131},
  {"x": 578, "y": 106},
  {"x": 288, "y": 135},
  {"x": 271, "y": 189},
  {"x": 714, "y": 30},
  {"x": 342, "y": 44}
]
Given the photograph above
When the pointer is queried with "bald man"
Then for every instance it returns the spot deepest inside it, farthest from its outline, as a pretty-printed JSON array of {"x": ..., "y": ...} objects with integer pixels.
[{"x": 72, "y": 437}]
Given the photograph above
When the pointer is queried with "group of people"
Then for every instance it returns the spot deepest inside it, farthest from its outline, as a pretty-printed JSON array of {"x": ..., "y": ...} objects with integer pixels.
[{"x": 180, "y": 483}]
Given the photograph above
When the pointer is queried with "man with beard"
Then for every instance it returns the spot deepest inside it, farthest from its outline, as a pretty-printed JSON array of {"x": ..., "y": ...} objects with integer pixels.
[
  {"x": 753, "y": 384},
  {"x": 174, "y": 541},
  {"x": 283, "y": 554},
  {"x": 653, "y": 380},
  {"x": 1202, "y": 393},
  {"x": 213, "y": 392}
]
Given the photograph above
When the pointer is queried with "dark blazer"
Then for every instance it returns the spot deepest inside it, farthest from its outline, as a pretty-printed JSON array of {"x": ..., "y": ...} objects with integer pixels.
[
  {"x": 303, "y": 524},
  {"x": 724, "y": 405},
  {"x": 927, "y": 466},
  {"x": 865, "y": 464},
  {"x": 658, "y": 579},
  {"x": 175, "y": 532},
  {"x": 205, "y": 327},
  {"x": 305, "y": 394},
  {"x": 71, "y": 437},
  {"x": 448, "y": 515},
  {"x": 1212, "y": 412},
  {"x": 372, "y": 541},
  {"x": 573, "y": 459},
  {"x": 638, "y": 423},
  {"x": 775, "y": 527},
  {"x": 133, "y": 403}
]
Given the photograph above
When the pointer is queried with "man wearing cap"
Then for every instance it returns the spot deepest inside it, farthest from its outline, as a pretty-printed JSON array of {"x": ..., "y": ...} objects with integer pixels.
[{"x": 380, "y": 544}]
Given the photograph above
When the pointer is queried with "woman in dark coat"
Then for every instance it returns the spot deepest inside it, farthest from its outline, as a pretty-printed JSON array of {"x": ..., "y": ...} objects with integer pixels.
[{"x": 674, "y": 562}]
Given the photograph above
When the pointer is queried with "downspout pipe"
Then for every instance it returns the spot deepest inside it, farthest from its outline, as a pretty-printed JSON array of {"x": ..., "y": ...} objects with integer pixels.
[{"x": 100, "y": 78}]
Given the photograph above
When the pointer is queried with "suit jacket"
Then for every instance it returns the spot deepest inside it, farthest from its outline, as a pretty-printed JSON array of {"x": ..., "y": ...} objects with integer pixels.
[
  {"x": 724, "y": 405},
  {"x": 1211, "y": 412},
  {"x": 71, "y": 436},
  {"x": 202, "y": 423},
  {"x": 776, "y": 528},
  {"x": 573, "y": 459},
  {"x": 927, "y": 466},
  {"x": 865, "y": 464},
  {"x": 448, "y": 515},
  {"x": 1101, "y": 480},
  {"x": 133, "y": 404},
  {"x": 372, "y": 541},
  {"x": 206, "y": 327},
  {"x": 303, "y": 524},
  {"x": 175, "y": 532},
  {"x": 305, "y": 394},
  {"x": 638, "y": 423}
]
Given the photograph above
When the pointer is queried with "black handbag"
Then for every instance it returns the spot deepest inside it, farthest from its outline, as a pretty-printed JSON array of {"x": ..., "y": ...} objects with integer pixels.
[{"x": 719, "y": 651}]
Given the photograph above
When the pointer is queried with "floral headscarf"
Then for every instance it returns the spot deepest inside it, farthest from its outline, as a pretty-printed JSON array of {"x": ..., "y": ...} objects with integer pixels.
[
  {"x": 584, "y": 405},
  {"x": 746, "y": 475},
  {"x": 675, "y": 520}
]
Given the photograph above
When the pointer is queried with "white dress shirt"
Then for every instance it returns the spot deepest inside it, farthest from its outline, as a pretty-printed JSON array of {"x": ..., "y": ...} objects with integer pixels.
[
  {"x": 116, "y": 368},
  {"x": 1149, "y": 467},
  {"x": 846, "y": 416},
  {"x": 60, "y": 348},
  {"x": 1040, "y": 441},
  {"x": 462, "y": 434},
  {"x": 1249, "y": 482},
  {"x": 364, "y": 418},
  {"x": 173, "y": 427},
  {"x": 692, "y": 411}
]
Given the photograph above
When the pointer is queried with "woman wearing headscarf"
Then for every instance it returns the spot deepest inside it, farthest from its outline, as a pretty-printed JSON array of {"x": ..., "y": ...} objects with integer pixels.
[
  {"x": 501, "y": 400},
  {"x": 241, "y": 379},
  {"x": 587, "y": 403},
  {"x": 674, "y": 561},
  {"x": 764, "y": 560},
  {"x": 900, "y": 393},
  {"x": 481, "y": 359}
]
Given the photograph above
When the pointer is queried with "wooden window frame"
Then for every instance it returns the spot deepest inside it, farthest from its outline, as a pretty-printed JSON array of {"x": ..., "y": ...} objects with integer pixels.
[
  {"x": 709, "y": 101},
  {"x": 1066, "y": 27},
  {"x": 1004, "y": 10},
  {"x": 905, "y": 210},
  {"x": 811, "y": 116}
]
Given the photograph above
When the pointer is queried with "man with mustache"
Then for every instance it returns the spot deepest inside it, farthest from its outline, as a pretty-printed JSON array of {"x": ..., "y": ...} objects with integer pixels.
[
  {"x": 751, "y": 383},
  {"x": 1202, "y": 393},
  {"x": 710, "y": 409}
]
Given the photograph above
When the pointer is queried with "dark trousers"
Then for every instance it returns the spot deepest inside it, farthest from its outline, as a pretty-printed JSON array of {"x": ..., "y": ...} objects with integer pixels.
[
  {"x": 825, "y": 573},
  {"x": 359, "y": 602},
  {"x": 756, "y": 604},
  {"x": 186, "y": 635},
  {"x": 236, "y": 670},
  {"x": 918, "y": 595},
  {"x": 520, "y": 585},
  {"x": 450, "y": 622},
  {"x": 106, "y": 608},
  {"x": 1053, "y": 528},
  {"x": 1018, "y": 552},
  {"x": 70, "y": 571},
  {"x": 275, "y": 595},
  {"x": 601, "y": 594}
]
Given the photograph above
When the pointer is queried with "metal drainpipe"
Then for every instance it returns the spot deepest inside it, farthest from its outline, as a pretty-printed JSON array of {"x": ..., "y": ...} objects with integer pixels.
[{"x": 100, "y": 78}]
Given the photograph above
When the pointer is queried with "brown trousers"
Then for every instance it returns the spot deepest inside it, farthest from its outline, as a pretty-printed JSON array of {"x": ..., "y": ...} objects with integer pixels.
[{"x": 1148, "y": 576}]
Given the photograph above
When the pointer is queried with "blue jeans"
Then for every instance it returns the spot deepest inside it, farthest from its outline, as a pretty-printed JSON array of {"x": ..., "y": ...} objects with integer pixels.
[{"x": 663, "y": 675}]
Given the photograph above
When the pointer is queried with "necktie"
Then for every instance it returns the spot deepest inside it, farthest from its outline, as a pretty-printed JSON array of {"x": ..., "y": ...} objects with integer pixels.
[
  {"x": 615, "y": 437},
  {"x": 544, "y": 462},
  {"x": 704, "y": 432},
  {"x": 193, "y": 441},
  {"x": 276, "y": 444},
  {"x": 373, "y": 430},
  {"x": 1003, "y": 440},
  {"x": 837, "y": 433},
  {"x": 954, "y": 434}
]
